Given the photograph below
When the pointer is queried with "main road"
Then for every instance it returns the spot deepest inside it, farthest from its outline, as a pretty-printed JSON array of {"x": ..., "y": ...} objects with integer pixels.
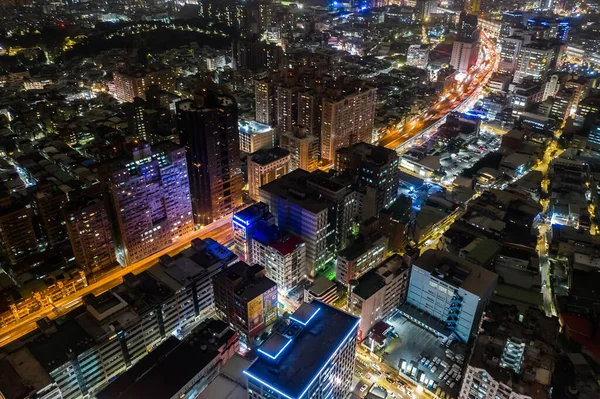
[
  {"x": 220, "y": 231},
  {"x": 461, "y": 96}
]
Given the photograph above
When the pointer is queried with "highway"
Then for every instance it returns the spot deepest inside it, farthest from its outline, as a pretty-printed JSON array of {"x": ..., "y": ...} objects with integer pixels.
[
  {"x": 460, "y": 98},
  {"x": 220, "y": 231}
]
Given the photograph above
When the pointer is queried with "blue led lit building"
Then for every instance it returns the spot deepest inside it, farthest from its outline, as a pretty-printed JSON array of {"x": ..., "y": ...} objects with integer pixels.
[
  {"x": 311, "y": 357},
  {"x": 244, "y": 224}
]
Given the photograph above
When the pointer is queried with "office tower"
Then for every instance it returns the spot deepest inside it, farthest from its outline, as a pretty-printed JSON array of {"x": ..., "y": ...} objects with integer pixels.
[
  {"x": 562, "y": 104},
  {"x": 303, "y": 148},
  {"x": 264, "y": 166},
  {"x": 374, "y": 167},
  {"x": 150, "y": 193},
  {"x": 534, "y": 61},
  {"x": 137, "y": 122},
  {"x": 348, "y": 118},
  {"x": 510, "y": 47},
  {"x": 301, "y": 210},
  {"x": 465, "y": 52},
  {"x": 186, "y": 362},
  {"x": 379, "y": 292},
  {"x": 208, "y": 128},
  {"x": 89, "y": 230},
  {"x": 265, "y": 101},
  {"x": 467, "y": 26},
  {"x": 134, "y": 82},
  {"x": 310, "y": 110},
  {"x": 551, "y": 87},
  {"x": 424, "y": 9},
  {"x": 49, "y": 203},
  {"x": 244, "y": 224},
  {"x": 255, "y": 136},
  {"x": 16, "y": 230},
  {"x": 418, "y": 55},
  {"x": 283, "y": 255},
  {"x": 361, "y": 256},
  {"x": 256, "y": 55},
  {"x": 461, "y": 291},
  {"x": 314, "y": 356},
  {"x": 246, "y": 299},
  {"x": 287, "y": 106}
]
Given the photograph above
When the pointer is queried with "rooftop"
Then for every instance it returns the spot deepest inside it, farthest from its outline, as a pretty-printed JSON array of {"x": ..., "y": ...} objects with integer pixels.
[
  {"x": 266, "y": 156},
  {"x": 166, "y": 370},
  {"x": 318, "y": 332},
  {"x": 248, "y": 281},
  {"x": 253, "y": 127},
  {"x": 457, "y": 271}
]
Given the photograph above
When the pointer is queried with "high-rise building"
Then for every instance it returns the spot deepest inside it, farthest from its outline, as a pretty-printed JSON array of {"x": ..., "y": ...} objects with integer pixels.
[
  {"x": 561, "y": 105},
  {"x": 208, "y": 128},
  {"x": 89, "y": 230},
  {"x": 461, "y": 291},
  {"x": 424, "y": 9},
  {"x": 360, "y": 257},
  {"x": 255, "y": 136},
  {"x": 303, "y": 148},
  {"x": 418, "y": 55},
  {"x": 286, "y": 96},
  {"x": 310, "y": 110},
  {"x": 150, "y": 194},
  {"x": 136, "y": 119},
  {"x": 283, "y": 255},
  {"x": 551, "y": 87},
  {"x": 375, "y": 167},
  {"x": 133, "y": 83},
  {"x": 265, "y": 101},
  {"x": 379, "y": 292},
  {"x": 246, "y": 299},
  {"x": 256, "y": 55},
  {"x": 17, "y": 234},
  {"x": 535, "y": 60},
  {"x": 465, "y": 52},
  {"x": 264, "y": 166},
  {"x": 510, "y": 47},
  {"x": 244, "y": 225},
  {"x": 50, "y": 202},
  {"x": 314, "y": 356},
  {"x": 348, "y": 117}
]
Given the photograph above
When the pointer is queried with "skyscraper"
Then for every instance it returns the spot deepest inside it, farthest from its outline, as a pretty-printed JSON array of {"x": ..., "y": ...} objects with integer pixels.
[
  {"x": 16, "y": 230},
  {"x": 150, "y": 193},
  {"x": 348, "y": 118},
  {"x": 303, "y": 148},
  {"x": 535, "y": 60},
  {"x": 264, "y": 166},
  {"x": 89, "y": 230},
  {"x": 208, "y": 128},
  {"x": 314, "y": 356},
  {"x": 264, "y": 101},
  {"x": 510, "y": 47},
  {"x": 464, "y": 54}
]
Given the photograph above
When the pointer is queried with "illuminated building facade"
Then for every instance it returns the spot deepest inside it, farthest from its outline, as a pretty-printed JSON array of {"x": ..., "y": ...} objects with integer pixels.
[
  {"x": 348, "y": 118},
  {"x": 17, "y": 234},
  {"x": 255, "y": 136},
  {"x": 418, "y": 56},
  {"x": 534, "y": 62},
  {"x": 208, "y": 128},
  {"x": 360, "y": 257},
  {"x": 510, "y": 48},
  {"x": 244, "y": 224},
  {"x": 303, "y": 148},
  {"x": 134, "y": 83},
  {"x": 264, "y": 101},
  {"x": 314, "y": 357},
  {"x": 265, "y": 166},
  {"x": 246, "y": 299},
  {"x": 90, "y": 232},
  {"x": 150, "y": 193}
]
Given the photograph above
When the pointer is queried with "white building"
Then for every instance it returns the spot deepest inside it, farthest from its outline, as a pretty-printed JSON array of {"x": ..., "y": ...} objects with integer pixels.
[
  {"x": 464, "y": 54},
  {"x": 534, "y": 61},
  {"x": 418, "y": 56},
  {"x": 510, "y": 48},
  {"x": 451, "y": 291},
  {"x": 379, "y": 293},
  {"x": 255, "y": 136}
]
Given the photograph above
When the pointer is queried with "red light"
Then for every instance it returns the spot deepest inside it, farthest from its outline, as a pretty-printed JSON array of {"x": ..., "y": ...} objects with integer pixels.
[{"x": 62, "y": 25}]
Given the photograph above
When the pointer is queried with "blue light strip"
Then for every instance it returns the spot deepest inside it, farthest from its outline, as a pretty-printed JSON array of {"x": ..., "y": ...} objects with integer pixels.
[
  {"x": 239, "y": 219},
  {"x": 238, "y": 224},
  {"x": 278, "y": 353},
  {"x": 328, "y": 360},
  {"x": 267, "y": 385},
  {"x": 307, "y": 321}
]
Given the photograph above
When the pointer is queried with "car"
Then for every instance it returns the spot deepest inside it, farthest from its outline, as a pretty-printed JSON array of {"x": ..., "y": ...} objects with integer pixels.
[
  {"x": 433, "y": 369},
  {"x": 452, "y": 384},
  {"x": 392, "y": 395},
  {"x": 363, "y": 388},
  {"x": 427, "y": 363},
  {"x": 388, "y": 379}
]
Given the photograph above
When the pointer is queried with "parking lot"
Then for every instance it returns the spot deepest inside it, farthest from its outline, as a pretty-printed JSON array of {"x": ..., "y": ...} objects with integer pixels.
[{"x": 421, "y": 355}]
